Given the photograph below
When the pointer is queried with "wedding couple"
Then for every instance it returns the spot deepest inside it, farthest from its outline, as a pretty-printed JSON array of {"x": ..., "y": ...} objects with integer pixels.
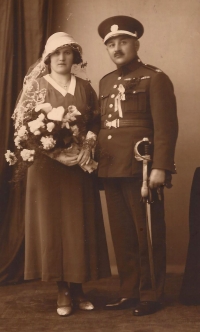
[{"x": 64, "y": 231}]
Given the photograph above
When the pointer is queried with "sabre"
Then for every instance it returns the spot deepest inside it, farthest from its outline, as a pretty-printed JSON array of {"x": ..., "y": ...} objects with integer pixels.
[
  {"x": 145, "y": 146},
  {"x": 142, "y": 153}
]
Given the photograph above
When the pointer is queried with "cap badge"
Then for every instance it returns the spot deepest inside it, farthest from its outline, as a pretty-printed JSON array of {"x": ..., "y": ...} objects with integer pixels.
[{"x": 114, "y": 28}]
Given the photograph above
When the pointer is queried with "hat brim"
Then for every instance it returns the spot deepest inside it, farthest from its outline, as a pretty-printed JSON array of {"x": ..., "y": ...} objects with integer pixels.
[
  {"x": 74, "y": 46},
  {"x": 59, "y": 40},
  {"x": 119, "y": 33},
  {"x": 117, "y": 25}
]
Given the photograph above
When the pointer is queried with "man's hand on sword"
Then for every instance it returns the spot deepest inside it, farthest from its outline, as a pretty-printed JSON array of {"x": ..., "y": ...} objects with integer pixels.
[{"x": 156, "y": 178}]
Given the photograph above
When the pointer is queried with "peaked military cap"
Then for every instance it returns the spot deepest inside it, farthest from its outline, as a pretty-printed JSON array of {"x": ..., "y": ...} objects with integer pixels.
[{"x": 120, "y": 25}]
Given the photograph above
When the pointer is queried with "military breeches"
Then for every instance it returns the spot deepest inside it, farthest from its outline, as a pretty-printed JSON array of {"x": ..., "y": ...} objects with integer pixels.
[{"x": 127, "y": 215}]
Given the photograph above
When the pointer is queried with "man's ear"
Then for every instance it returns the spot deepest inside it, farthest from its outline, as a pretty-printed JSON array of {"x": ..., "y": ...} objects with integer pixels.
[{"x": 137, "y": 44}]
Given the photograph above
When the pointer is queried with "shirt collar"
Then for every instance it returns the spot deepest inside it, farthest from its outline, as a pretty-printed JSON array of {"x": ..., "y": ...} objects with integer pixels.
[
  {"x": 131, "y": 66},
  {"x": 72, "y": 85},
  {"x": 71, "y": 89}
]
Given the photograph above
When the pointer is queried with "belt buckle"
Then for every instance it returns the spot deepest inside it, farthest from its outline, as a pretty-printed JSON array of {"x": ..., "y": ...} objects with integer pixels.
[
  {"x": 107, "y": 124},
  {"x": 113, "y": 123}
]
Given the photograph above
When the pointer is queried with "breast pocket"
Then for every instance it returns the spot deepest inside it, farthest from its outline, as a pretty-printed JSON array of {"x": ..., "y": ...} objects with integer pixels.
[
  {"x": 103, "y": 103},
  {"x": 136, "y": 101}
]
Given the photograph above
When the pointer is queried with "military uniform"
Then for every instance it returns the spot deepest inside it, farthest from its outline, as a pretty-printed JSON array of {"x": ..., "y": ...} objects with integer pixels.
[
  {"x": 137, "y": 101},
  {"x": 149, "y": 110}
]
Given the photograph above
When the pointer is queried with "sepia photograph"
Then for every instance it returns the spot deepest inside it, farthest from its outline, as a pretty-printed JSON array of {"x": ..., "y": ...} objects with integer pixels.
[{"x": 99, "y": 173}]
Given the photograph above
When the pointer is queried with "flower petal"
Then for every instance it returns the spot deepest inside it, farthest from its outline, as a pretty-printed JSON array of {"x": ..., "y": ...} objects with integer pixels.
[
  {"x": 44, "y": 107},
  {"x": 56, "y": 114}
]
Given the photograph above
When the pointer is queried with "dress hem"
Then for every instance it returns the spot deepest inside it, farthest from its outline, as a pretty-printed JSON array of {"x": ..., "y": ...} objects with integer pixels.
[{"x": 66, "y": 278}]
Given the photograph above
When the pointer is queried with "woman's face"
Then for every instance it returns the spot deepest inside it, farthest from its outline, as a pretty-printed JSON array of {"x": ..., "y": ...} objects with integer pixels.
[{"x": 61, "y": 60}]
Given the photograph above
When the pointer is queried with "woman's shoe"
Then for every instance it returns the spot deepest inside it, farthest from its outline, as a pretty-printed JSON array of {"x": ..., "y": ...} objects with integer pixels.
[
  {"x": 82, "y": 303},
  {"x": 79, "y": 299},
  {"x": 64, "y": 304},
  {"x": 64, "y": 310}
]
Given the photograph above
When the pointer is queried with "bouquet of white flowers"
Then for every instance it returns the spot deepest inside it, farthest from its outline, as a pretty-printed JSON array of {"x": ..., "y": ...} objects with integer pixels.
[{"x": 42, "y": 128}]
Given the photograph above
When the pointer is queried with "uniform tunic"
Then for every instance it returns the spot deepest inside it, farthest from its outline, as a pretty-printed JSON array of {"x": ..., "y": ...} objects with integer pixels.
[
  {"x": 65, "y": 237},
  {"x": 150, "y": 102},
  {"x": 148, "y": 110}
]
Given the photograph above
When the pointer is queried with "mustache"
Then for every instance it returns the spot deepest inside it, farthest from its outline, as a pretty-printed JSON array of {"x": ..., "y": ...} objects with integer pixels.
[{"x": 116, "y": 53}]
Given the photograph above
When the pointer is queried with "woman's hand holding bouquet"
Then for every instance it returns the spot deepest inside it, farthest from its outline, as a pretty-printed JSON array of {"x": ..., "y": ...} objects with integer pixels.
[{"x": 41, "y": 130}]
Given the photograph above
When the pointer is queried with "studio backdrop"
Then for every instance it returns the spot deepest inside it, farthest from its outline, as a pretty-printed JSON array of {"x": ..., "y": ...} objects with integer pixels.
[{"x": 24, "y": 28}]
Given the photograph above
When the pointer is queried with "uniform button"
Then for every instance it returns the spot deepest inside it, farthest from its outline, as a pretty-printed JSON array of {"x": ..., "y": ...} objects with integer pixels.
[
  {"x": 109, "y": 136},
  {"x": 119, "y": 78},
  {"x": 113, "y": 96},
  {"x": 109, "y": 115},
  {"x": 111, "y": 105},
  {"x": 115, "y": 86}
]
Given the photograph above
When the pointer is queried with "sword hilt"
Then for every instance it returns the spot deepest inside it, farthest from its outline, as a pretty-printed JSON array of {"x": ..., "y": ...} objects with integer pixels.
[
  {"x": 143, "y": 153},
  {"x": 143, "y": 150}
]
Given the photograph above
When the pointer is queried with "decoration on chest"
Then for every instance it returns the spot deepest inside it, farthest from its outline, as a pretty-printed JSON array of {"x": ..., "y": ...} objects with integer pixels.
[
  {"x": 120, "y": 96},
  {"x": 131, "y": 83},
  {"x": 126, "y": 88}
]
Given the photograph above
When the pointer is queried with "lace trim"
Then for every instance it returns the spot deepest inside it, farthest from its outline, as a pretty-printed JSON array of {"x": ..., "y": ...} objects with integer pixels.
[
  {"x": 31, "y": 95},
  {"x": 30, "y": 98}
]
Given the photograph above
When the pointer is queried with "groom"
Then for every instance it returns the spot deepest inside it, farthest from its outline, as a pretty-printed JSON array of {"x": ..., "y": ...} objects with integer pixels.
[{"x": 137, "y": 101}]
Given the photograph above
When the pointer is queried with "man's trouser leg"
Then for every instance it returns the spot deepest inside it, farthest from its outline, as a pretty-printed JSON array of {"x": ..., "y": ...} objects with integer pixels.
[{"x": 127, "y": 217}]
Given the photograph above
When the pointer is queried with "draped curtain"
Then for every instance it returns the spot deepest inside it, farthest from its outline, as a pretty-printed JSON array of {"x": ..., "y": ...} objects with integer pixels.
[
  {"x": 24, "y": 29},
  {"x": 190, "y": 289}
]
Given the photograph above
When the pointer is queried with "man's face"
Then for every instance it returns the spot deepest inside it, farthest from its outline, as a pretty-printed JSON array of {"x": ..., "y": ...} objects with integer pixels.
[{"x": 122, "y": 49}]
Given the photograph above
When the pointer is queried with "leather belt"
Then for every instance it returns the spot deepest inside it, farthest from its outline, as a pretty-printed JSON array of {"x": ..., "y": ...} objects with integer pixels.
[{"x": 117, "y": 123}]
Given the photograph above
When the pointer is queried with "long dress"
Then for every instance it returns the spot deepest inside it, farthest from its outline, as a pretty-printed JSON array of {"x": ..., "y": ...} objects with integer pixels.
[{"x": 64, "y": 231}]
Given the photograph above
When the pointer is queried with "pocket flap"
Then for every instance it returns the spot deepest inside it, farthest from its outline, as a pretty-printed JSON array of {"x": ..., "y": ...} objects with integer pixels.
[
  {"x": 104, "y": 96},
  {"x": 139, "y": 91}
]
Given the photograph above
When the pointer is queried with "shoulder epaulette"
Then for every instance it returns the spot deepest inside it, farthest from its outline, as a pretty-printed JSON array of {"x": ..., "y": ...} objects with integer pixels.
[
  {"x": 152, "y": 68},
  {"x": 108, "y": 74}
]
